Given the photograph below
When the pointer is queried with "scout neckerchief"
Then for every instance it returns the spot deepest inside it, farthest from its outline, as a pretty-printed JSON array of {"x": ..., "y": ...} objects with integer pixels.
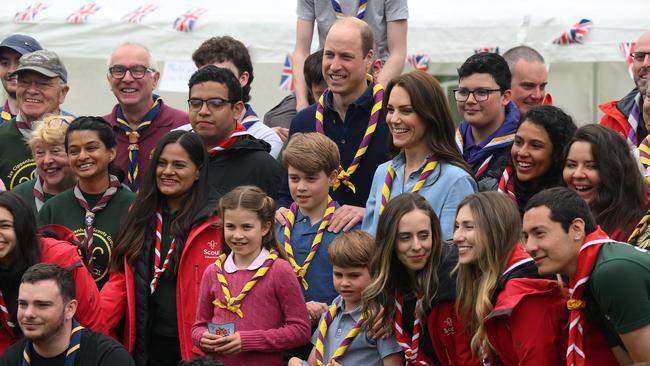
[
  {"x": 70, "y": 354},
  {"x": 378, "y": 95},
  {"x": 39, "y": 194},
  {"x": 301, "y": 271},
  {"x": 635, "y": 238},
  {"x": 238, "y": 131},
  {"x": 644, "y": 158},
  {"x": 89, "y": 218},
  {"x": 233, "y": 304},
  {"x": 6, "y": 115},
  {"x": 5, "y": 317},
  {"x": 430, "y": 165},
  {"x": 322, "y": 331},
  {"x": 158, "y": 268},
  {"x": 633, "y": 120},
  {"x": 361, "y": 9},
  {"x": 507, "y": 183},
  {"x": 23, "y": 127},
  {"x": 250, "y": 117},
  {"x": 134, "y": 135},
  {"x": 412, "y": 353},
  {"x": 575, "y": 355}
]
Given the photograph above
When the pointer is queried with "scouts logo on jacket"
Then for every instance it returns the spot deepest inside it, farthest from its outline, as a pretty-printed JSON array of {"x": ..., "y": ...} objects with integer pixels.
[
  {"x": 211, "y": 253},
  {"x": 102, "y": 252},
  {"x": 23, "y": 172},
  {"x": 448, "y": 326}
]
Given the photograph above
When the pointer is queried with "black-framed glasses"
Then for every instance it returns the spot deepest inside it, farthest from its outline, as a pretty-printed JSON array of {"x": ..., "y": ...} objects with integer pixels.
[
  {"x": 137, "y": 71},
  {"x": 196, "y": 104},
  {"x": 639, "y": 56},
  {"x": 480, "y": 94}
]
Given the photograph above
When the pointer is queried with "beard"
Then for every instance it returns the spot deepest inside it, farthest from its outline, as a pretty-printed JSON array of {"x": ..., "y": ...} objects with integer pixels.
[{"x": 46, "y": 331}]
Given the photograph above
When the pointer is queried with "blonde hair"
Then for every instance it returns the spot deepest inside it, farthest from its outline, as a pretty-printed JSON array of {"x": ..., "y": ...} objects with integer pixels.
[
  {"x": 252, "y": 198},
  {"x": 351, "y": 249},
  {"x": 498, "y": 229},
  {"x": 50, "y": 130},
  {"x": 311, "y": 153}
]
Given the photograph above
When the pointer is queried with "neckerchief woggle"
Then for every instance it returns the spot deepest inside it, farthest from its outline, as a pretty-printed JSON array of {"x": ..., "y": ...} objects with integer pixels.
[
  {"x": 301, "y": 271},
  {"x": 233, "y": 304},
  {"x": 345, "y": 343},
  {"x": 133, "y": 135},
  {"x": 70, "y": 354},
  {"x": 345, "y": 174},
  {"x": 430, "y": 165},
  {"x": 6, "y": 115},
  {"x": 587, "y": 257}
]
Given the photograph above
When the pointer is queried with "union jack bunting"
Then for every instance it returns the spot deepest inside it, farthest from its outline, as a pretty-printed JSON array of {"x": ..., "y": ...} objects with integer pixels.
[
  {"x": 139, "y": 13},
  {"x": 286, "y": 77},
  {"x": 187, "y": 20},
  {"x": 419, "y": 62},
  {"x": 29, "y": 13},
  {"x": 576, "y": 33},
  {"x": 487, "y": 49},
  {"x": 81, "y": 15},
  {"x": 627, "y": 48}
]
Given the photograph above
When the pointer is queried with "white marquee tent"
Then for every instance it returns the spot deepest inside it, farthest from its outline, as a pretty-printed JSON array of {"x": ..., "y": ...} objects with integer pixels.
[{"x": 582, "y": 75}]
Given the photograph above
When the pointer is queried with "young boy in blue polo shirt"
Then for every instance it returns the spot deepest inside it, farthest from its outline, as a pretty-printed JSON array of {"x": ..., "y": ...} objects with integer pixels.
[{"x": 341, "y": 337}]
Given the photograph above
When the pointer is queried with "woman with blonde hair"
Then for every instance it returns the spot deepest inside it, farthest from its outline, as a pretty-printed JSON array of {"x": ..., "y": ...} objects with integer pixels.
[{"x": 500, "y": 295}]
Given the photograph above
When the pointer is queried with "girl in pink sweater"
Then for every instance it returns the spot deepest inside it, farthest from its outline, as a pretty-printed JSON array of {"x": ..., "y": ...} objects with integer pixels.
[{"x": 250, "y": 305}]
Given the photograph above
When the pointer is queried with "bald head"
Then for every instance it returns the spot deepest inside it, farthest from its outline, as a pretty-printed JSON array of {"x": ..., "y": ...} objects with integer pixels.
[
  {"x": 529, "y": 77},
  {"x": 355, "y": 24},
  {"x": 641, "y": 69}
]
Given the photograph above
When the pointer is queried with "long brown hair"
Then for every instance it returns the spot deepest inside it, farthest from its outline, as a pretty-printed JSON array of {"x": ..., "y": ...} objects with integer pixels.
[
  {"x": 498, "y": 229},
  {"x": 389, "y": 276},
  {"x": 430, "y": 104}
]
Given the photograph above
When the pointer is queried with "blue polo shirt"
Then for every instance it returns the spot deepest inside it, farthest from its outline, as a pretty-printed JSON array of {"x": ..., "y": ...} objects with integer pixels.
[
  {"x": 363, "y": 350},
  {"x": 319, "y": 273},
  {"x": 347, "y": 135}
]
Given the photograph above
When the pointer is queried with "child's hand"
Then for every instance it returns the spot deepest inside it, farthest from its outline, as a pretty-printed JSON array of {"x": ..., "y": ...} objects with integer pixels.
[
  {"x": 229, "y": 345},
  {"x": 315, "y": 310},
  {"x": 208, "y": 341}
]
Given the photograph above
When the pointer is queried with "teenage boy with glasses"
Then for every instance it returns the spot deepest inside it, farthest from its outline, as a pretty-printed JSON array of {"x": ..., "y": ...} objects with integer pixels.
[
  {"x": 140, "y": 118},
  {"x": 490, "y": 118}
]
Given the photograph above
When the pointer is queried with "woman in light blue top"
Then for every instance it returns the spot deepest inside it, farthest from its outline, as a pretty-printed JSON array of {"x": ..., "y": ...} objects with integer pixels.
[{"x": 426, "y": 158}]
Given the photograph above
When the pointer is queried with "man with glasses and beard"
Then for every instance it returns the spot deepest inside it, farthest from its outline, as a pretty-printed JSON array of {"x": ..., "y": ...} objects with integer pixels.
[
  {"x": 140, "y": 118},
  {"x": 52, "y": 337}
]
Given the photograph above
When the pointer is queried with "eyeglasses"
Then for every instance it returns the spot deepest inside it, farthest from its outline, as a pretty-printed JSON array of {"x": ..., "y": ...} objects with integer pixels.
[
  {"x": 38, "y": 84},
  {"x": 480, "y": 94},
  {"x": 639, "y": 56},
  {"x": 196, "y": 104},
  {"x": 137, "y": 71}
]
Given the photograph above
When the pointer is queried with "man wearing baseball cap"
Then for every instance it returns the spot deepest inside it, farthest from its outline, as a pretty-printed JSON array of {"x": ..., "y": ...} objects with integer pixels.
[
  {"x": 41, "y": 87},
  {"x": 11, "y": 48}
]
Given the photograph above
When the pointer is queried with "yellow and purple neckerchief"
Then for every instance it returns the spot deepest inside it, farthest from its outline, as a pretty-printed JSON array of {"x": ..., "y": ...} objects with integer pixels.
[
  {"x": 322, "y": 332},
  {"x": 6, "y": 115},
  {"x": 641, "y": 227},
  {"x": 134, "y": 135},
  {"x": 496, "y": 142},
  {"x": 377, "y": 94},
  {"x": 644, "y": 158},
  {"x": 633, "y": 120},
  {"x": 430, "y": 165},
  {"x": 361, "y": 8},
  {"x": 301, "y": 271},
  {"x": 249, "y": 118},
  {"x": 233, "y": 304},
  {"x": 71, "y": 352}
]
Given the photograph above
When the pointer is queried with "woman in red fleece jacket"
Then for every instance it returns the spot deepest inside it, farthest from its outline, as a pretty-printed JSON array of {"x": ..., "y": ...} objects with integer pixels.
[
  {"x": 250, "y": 294},
  {"x": 514, "y": 316}
]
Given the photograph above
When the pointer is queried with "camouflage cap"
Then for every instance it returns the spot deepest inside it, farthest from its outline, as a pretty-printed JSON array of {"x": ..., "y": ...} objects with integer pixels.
[{"x": 43, "y": 62}]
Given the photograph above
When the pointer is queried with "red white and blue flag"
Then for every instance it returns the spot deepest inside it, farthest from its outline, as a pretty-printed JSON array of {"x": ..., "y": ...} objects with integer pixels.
[
  {"x": 286, "y": 77},
  {"x": 487, "y": 49},
  {"x": 139, "y": 13},
  {"x": 81, "y": 15},
  {"x": 627, "y": 48},
  {"x": 419, "y": 62},
  {"x": 576, "y": 33},
  {"x": 29, "y": 13},
  {"x": 187, "y": 20}
]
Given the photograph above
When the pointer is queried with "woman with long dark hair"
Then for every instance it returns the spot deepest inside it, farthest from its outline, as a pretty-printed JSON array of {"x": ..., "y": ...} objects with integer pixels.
[
  {"x": 23, "y": 245},
  {"x": 169, "y": 238},
  {"x": 426, "y": 159}
]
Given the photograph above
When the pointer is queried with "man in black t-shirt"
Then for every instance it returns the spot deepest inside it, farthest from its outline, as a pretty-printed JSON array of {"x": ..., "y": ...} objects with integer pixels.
[{"x": 46, "y": 307}]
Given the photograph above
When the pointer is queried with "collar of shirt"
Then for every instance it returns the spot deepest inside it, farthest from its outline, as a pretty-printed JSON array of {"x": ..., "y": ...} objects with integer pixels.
[
  {"x": 312, "y": 227},
  {"x": 365, "y": 101},
  {"x": 355, "y": 314},
  {"x": 231, "y": 267},
  {"x": 400, "y": 160}
]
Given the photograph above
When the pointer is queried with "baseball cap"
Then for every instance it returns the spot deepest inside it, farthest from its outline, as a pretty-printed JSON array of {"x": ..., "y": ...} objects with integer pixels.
[
  {"x": 43, "y": 62},
  {"x": 21, "y": 43}
]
